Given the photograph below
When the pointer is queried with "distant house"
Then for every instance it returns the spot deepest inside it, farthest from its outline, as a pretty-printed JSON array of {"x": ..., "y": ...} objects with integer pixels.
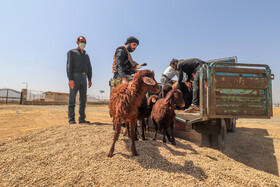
[{"x": 56, "y": 97}]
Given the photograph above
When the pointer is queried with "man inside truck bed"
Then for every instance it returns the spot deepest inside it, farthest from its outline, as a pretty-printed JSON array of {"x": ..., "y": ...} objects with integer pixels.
[
  {"x": 170, "y": 72},
  {"x": 190, "y": 66}
]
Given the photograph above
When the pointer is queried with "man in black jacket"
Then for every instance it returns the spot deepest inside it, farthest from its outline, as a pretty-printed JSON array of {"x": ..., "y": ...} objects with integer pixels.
[
  {"x": 123, "y": 65},
  {"x": 78, "y": 71},
  {"x": 190, "y": 66}
]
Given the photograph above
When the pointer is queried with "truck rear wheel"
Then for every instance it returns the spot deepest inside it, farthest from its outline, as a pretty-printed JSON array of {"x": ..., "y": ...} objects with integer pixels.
[
  {"x": 219, "y": 141},
  {"x": 231, "y": 124},
  {"x": 215, "y": 141},
  {"x": 205, "y": 140}
]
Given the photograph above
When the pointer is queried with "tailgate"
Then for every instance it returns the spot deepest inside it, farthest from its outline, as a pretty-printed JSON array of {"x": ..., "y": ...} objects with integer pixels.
[{"x": 238, "y": 90}]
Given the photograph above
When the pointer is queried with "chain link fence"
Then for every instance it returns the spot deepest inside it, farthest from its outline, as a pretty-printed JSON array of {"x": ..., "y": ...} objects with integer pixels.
[{"x": 10, "y": 96}]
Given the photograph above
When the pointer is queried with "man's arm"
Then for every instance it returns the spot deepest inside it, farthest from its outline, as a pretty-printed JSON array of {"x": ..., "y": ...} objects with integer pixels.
[
  {"x": 180, "y": 72},
  {"x": 69, "y": 69},
  {"x": 89, "y": 73},
  {"x": 120, "y": 58},
  {"x": 185, "y": 76}
]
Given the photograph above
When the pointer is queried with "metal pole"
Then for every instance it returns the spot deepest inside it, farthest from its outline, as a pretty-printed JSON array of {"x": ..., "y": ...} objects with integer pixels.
[
  {"x": 7, "y": 96},
  {"x": 26, "y": 84}
]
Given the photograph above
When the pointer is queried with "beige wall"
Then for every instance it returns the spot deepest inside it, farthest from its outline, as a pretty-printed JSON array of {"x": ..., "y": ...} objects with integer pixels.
[
  {"x": 59, "y": 97},
  {"x": 56, "y": 97}
]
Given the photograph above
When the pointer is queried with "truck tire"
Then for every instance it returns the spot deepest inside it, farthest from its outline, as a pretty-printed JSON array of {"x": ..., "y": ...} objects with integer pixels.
[
  {"x": 205, "y": 140},
  {"x": 219, "y": 141},
  {"x": 231, "y": 124}
]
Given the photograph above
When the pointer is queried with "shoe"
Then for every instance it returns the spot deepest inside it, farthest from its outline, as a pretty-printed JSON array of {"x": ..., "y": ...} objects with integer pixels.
[
  {"x": 84, "y": 122},
  {"x": 72, "y": 122},
  {"x": 192, "y": 108}
]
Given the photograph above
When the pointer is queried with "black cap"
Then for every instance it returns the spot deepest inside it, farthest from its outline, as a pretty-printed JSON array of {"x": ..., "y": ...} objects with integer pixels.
[{"x": 131, "y": 39}]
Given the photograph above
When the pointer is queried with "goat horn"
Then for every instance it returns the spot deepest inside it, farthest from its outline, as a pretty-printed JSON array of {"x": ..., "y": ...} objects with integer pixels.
[{"x": 148, "y": 81}]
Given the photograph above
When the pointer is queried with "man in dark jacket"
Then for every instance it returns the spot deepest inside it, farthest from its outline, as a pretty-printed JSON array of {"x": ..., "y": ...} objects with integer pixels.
[
  {"x": 123, "y": 65},
  {"x": 190, "y": 66},
  {"x": 78, "y": 71}
]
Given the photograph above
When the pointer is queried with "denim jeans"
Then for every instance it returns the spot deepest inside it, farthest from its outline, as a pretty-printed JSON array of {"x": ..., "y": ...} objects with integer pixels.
[
  {"x": 195, "y": 86},
  {"x": 81, "y": 86},
  {"x": 164, "y": 80}
]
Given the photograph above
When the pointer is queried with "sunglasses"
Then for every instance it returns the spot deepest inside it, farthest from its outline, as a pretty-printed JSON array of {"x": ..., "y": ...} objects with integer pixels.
[{"x": 83, "y": 42}]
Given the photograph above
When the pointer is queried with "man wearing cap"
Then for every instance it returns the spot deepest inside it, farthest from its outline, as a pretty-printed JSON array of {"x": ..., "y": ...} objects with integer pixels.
[
  {"x": 123, "y": 65},
  {"x": 78, "y": 71}
]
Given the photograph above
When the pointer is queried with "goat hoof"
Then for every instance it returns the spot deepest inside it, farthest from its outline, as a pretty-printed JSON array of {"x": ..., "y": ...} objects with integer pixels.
[
  {"x": 173, "y": 143},
  {"x": 154, "y": 139},
  {"x": 164, "y": 141},
  {"x": 135, "y": 154},
  {"x": 109, "y": 155},
  {"x": 144, "y": 139}
]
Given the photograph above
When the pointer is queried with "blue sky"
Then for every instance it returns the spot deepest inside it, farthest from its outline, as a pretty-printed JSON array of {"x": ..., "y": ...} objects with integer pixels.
[{"x": 36, "y": 35}]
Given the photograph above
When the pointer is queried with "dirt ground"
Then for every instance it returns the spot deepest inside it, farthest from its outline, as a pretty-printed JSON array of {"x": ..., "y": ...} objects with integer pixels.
[{"x": 38, "y": 147}]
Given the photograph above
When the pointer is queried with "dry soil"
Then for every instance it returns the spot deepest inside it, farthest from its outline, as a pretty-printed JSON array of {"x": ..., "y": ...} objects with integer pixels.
[{"x": 38, "y": 147}]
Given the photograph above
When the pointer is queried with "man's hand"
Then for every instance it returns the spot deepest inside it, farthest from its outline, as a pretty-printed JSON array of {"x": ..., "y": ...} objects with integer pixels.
[
  {"x": 89, "y": 84},
  {"x": 139, "y": 65},
  {"x": 124, "y": 80},
  {"x": 71, "y": 84}
]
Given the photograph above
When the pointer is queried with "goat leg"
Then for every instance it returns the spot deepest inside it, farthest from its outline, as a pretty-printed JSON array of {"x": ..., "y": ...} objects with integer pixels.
[
  {"x": 168, "y": 136},
  {"x": 127, "y": 132},
  {"x": 133, "y": 149},
  {"x": 143, "y": 125},
  {"x": 156, "y": 129},
  {"x": 136, "y": 133},
  {"x": 116, "y": 137},
  {"x": 147, "y": 124},
  {"x": 164, "y": 133},
  {"x": 172, "y": 134}
]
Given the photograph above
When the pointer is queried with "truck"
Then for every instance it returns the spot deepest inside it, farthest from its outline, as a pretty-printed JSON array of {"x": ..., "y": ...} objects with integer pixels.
[{"x": 228, "y": 91}]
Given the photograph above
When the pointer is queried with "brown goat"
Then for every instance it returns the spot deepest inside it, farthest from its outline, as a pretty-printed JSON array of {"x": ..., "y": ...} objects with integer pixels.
[
  {"x": 125, "y": 99},
  {"x": 144, "y": 112},
  {"x": 152, "y": 100},
  {"x": 163, "y": 114},
  {"x": 186, "y": 89},
  {"x": 165, "y": 89}
]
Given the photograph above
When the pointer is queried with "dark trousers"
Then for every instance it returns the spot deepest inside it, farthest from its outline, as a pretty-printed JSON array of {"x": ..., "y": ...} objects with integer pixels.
[
  {"x": 81, "y": 86},
  {"x": 195, "y": 86}
]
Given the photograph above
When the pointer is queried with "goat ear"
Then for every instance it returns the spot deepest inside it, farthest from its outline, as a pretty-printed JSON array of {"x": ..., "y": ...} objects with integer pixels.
[
  {"x": 168, "y": 97},
  {"x": 148, "y": 81},
  {"x": 154, "y": 100}
]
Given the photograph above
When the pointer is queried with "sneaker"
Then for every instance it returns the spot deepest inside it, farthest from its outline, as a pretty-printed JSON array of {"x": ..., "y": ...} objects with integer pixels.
[
  {"x": 192, "y": 108},
  {"x": 84, "y": 122},
  {"x": 72, "y": 122}
]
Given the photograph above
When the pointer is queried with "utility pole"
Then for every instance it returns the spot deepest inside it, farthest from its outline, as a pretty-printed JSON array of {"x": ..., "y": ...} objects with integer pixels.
[{"x": 26, "y": 84}]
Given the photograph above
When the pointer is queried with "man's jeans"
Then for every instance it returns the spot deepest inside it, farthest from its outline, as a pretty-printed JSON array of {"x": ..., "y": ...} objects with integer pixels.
[
  {"x": 164, "y": 80},
  {"x": 195, "y": 86},
  {"x": 81, "y": 86}
]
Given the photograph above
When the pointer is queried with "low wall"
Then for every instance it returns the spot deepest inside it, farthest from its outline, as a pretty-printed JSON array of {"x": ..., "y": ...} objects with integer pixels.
[{"x": 59, "y": 103}]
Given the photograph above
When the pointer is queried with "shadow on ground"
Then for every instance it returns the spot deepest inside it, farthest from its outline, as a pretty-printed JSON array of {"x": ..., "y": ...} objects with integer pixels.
[
  {"x": 252, "y": 147},
  {"x": 151, "y": 157}
]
